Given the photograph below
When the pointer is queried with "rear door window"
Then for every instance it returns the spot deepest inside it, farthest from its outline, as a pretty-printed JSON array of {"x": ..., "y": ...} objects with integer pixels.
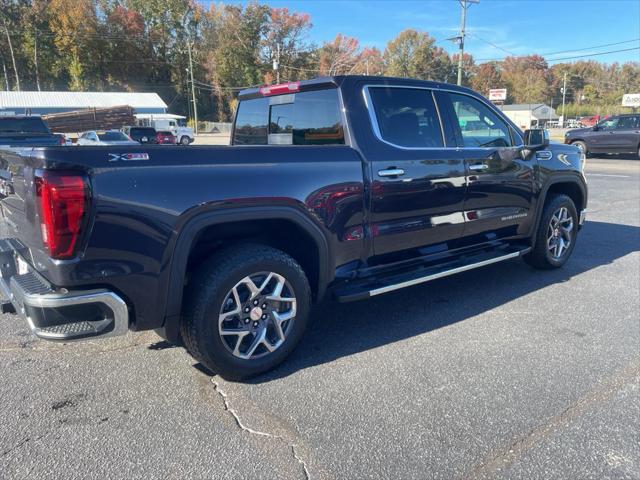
[
  {"x": 406, "y": 117},
  {"x": 304, "y": 118},
  {"x": 626, "y": 123}
]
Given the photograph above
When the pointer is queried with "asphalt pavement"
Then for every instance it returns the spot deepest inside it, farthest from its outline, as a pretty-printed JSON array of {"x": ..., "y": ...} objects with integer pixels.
[{"x": 502, "y": 372}]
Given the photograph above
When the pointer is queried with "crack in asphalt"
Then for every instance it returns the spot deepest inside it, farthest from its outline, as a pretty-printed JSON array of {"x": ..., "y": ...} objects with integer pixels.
[
  {"x": 242, "y": 426},
  {"x": 511, "y": 453}
]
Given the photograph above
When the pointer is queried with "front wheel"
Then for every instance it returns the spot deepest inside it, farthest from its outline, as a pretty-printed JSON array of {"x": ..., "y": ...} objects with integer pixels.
[
  {"x": 185, "y": 140},
  {"x": 557, "y": 233},
  {"x": 581, "y": 146},
  {"x": 245, "y": 310}
]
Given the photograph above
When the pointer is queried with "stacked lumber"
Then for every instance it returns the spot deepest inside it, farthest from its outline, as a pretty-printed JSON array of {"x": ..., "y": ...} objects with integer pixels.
[{"x": 90, "y": 119}]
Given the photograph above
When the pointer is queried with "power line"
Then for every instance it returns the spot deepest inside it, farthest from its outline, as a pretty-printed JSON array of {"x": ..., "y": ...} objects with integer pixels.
[
  {"x": 490, "y": 43},
  {"x": 593, "y": 54},
  {"x": 561, "y": 51},
  {"x": 564, "y": 58}
]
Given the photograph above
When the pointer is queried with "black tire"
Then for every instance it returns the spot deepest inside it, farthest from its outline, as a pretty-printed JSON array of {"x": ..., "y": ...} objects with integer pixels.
[
  {"x": 184, "y": 140},
  {"x": 581, "y": 145},
  {"x": 208, "y": 289},
  {"x": 540, "y": 256}
]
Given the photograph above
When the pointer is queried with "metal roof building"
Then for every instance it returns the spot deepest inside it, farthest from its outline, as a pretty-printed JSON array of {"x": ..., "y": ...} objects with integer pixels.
[
  {"x": 54, "y": 102},
  {"x": 527, "y": 115}
]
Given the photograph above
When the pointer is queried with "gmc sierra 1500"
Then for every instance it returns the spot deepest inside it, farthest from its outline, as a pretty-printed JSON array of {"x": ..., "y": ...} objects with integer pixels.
[{"x": 351, "y": 185}]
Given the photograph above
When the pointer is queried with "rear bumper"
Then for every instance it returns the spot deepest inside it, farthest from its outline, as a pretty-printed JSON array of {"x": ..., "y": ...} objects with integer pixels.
[{"x": 58, "y": 315}]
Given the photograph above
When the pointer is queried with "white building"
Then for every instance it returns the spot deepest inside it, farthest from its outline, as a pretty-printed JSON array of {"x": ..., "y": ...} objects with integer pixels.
[
  {"x": 527, "y": 115},
  {"x": 42, "y": 103}
]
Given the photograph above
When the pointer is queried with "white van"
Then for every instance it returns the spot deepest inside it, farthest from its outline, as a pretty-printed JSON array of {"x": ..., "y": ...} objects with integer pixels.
[{"x": 167, "y": 122}]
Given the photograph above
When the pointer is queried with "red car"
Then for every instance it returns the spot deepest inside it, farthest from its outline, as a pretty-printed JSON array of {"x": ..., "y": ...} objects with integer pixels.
[{"x": 166, "y": 138}]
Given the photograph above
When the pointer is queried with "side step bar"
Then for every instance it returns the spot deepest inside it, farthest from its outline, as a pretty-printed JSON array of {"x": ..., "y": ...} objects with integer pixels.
[{"x": 362, "y": 289}]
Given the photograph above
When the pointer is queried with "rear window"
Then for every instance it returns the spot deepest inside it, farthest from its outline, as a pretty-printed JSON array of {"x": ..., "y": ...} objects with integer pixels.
[
  {"x": 112, "y": 136},
  {"x": 143, "y": 131},
  {"x": 165, "y": 134},
  {"x": 304, "y": 118},
  {"x": 23, "y": 125}
]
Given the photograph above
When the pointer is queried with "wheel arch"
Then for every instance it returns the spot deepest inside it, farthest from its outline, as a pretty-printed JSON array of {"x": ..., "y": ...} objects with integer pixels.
[
  {"x": 197, "y": 228},
  {"x": 569, "y": 185}
]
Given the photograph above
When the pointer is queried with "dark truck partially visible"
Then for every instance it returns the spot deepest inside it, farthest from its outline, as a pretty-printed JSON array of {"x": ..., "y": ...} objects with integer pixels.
[
  {"x": 347, "y": 186},
  {"x": 26, "y": 131}
]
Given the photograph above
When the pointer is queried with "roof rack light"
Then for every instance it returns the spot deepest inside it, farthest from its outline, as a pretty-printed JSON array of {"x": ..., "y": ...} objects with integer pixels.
[{"x": 280, "y": 88}]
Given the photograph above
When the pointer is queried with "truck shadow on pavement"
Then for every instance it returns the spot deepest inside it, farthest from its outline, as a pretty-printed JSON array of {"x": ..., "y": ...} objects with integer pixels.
[{"x": 340, "y": 330}]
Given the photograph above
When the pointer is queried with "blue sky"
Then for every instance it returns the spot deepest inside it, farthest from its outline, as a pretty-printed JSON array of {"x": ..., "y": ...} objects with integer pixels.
[{"x": 517, "y": 26}]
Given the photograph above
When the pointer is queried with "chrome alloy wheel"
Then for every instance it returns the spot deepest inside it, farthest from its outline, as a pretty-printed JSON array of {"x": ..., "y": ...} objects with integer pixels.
[
  {"x": 559, "y": 233},
  {"x": 256, "y": 315}
]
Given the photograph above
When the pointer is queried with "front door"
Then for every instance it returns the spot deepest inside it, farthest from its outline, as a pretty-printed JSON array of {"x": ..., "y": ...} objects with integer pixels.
[
  {"x": 417, "y": 185},
  {"x": 500, "y": 180}
]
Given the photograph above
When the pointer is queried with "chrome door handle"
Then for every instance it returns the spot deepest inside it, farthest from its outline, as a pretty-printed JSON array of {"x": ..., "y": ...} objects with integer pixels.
[
  {"x": 478, "y": 166},
  {"x": 391, "y": 172}
]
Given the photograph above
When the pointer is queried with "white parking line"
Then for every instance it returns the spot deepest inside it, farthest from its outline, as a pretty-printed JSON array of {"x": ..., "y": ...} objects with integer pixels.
[{"x": 607, "y": 175}]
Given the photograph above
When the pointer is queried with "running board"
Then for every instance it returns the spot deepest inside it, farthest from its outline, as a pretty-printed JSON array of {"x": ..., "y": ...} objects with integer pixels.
[{"x": 367, "y": 288}]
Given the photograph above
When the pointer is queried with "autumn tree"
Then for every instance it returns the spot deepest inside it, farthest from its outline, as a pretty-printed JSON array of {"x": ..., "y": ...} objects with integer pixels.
[
  {"x": 487, "y": 76},
  {"x": 74, "y": 24},
  {"x": 527, "y": 79},
  {"x": 369, "y": 62},
  {"x": 340, "y": 56},
  {"x": 286, "y": 39},
  {"x": 413, "y": 54}
]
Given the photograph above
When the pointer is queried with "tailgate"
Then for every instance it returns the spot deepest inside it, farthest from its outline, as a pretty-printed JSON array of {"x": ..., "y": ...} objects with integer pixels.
[{"x": 17, "y": 198}]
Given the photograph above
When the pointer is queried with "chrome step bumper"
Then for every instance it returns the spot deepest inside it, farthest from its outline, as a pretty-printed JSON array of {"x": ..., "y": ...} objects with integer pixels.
[{"x": 59, "y": 315}]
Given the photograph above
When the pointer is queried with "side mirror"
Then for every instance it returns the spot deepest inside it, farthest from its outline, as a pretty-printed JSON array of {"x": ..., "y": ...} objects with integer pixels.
[
  {"x": 536, "y": 138},
  {"x": 595, "y": 128}
]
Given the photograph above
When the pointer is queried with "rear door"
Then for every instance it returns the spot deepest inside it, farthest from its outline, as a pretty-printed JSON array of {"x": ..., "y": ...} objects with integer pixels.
[
  {"x": 625, "y": 136},
  {"x": 418, "y": 183},
  {"x": 500, "y": 180}
]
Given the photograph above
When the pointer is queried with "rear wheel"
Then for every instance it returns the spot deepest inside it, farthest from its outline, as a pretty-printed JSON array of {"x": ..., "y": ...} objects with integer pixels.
[
  {"x": 557, "y": 233},
  {"x": 246, "y": 310}
]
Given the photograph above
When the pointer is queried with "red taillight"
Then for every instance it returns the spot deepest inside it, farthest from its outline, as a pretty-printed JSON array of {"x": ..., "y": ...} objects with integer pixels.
[
  {"x": 280, "y": 88},
  {"x": 63, "y": 140},
  {"x": 63, "y": 207}
]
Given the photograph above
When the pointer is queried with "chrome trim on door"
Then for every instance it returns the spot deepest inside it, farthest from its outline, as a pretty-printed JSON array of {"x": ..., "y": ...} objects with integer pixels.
[
  {"x": 391, "y": 172},
  {"x": 478, "y": 166}
]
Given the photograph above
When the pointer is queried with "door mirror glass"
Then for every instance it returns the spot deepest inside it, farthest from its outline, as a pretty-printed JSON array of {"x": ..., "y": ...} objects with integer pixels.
[{"x": 536, "y": 138}]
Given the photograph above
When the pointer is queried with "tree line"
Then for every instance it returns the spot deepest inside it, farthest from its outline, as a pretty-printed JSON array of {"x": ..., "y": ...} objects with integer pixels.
[{"x": 142, "y": 45}]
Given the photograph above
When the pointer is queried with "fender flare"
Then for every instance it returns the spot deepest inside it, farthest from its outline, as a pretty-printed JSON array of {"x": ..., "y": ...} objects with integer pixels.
[
  {"x": 561, "y": 178},
  {"x": 193, "y": 227}
]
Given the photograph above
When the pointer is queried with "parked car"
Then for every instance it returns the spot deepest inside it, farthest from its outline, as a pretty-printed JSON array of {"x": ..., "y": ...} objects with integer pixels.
[
  {"x": 617, "y": 134},
  {"x": 27, "y": 131},
  {"x": 348, "y": 186},
  {"x": 108, "y": 137},
  {"x": 144, "y": 135},
  {"x": 184, "y": 135},
  {"x": 166, "y": 138}
]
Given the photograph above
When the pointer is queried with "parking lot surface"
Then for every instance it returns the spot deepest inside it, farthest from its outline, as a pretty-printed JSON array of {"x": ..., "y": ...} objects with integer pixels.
[{"x": 501, "y": 372}]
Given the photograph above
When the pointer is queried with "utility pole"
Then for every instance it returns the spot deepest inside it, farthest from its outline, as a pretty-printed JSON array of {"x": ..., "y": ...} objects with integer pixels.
[
  {"x": 460, "y": 39},
  {"x": 193, "y": 86},
  {"x": 564, "y": 93},
  {"x": 276, "y": 64}
]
